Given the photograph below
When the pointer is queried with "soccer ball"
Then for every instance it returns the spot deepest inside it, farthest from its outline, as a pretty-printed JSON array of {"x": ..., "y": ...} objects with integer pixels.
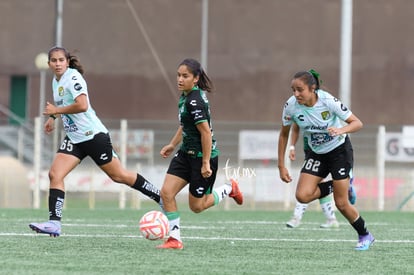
[{"x": 154, "y": 225}]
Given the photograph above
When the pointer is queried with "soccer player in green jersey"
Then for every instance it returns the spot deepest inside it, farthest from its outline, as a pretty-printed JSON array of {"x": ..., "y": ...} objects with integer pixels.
[{"x": 196, "y": 161}]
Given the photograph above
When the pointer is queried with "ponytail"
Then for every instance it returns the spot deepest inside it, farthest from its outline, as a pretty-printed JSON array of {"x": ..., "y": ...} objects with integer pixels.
[
  {"x": 316, "y": 75},
  {"x": 204, "y": 82},
  {"x": 75, "y": 63}
]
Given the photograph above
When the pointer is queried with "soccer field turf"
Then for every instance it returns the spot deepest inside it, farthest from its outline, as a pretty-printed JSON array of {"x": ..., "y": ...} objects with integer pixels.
[{"x": 107, "y": 241}]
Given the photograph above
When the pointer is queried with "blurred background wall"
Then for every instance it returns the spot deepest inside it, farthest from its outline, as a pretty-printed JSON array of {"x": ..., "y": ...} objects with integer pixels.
[{"x": 254, "y": 48}]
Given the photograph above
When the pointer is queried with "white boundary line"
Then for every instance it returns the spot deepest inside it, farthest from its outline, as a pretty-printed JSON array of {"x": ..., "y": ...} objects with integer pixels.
[{"x": 4, "y": 234}]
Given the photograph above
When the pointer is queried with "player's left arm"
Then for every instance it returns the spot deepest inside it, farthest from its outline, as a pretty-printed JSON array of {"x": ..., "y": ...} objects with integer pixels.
[
  {"x": 206, "y": 144},
  {"x": 354, "y": 124}
]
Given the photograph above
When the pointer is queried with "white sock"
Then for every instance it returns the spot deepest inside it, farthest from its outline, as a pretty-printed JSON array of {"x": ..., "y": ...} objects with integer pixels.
[
  {"x": 327, "y": 207},
  {"x": 300, "y": 208},
  {"x": 175, "y": 229},
  {"x": 221, "y": 192}
]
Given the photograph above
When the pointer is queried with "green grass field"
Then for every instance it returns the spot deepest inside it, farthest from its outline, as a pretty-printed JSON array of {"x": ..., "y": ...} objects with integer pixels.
[{"x": 107, "y": 241}]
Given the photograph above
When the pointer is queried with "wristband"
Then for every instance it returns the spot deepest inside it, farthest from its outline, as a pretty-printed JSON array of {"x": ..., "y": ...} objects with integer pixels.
[
  {"x": 292, "y": 147},
  {"x": 53, "y": 116}
]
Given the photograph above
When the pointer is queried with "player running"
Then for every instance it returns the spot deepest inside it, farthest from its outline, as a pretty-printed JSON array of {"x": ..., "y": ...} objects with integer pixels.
[
  {"x": 85, "y": 136},
  {"x": 196, "y": 161},
  {"x": 319, "y": 116},
  {"x": 325, "y": 202}
]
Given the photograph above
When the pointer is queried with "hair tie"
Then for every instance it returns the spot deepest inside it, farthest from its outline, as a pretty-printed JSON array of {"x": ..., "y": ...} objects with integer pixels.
[{"x": 316, "y": 75}]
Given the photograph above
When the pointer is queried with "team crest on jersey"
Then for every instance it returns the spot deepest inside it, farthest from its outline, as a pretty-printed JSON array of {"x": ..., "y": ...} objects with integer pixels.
[
  {"x": 287, "y": 118},
  {"x": 61, "y": 90},
  {"x": 326, "y": 115}
]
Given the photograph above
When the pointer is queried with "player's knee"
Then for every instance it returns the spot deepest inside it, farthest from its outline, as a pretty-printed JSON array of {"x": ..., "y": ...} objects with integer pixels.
[
  {"x": 303, "y": 198},
  {"x": 120, "y": 177},
  {"x": 341, "y": 204},
  {"x": 54, "y": 176},
  {"x": 116, "y": 178},
  {"x": 197, "y": 208},
  {"x": 166, "y": 196}
]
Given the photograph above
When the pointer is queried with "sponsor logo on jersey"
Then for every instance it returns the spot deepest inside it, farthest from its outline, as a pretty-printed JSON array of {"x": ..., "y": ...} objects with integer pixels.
[
  {"x": 317, "y": 127},
  {"x": 74, "y": 77},
  {"x": 77, "y": 87},
  {"x": 193, "y": 102},
  {"x": 71, "y": 128},
  {"x": 197, "y": 114}
]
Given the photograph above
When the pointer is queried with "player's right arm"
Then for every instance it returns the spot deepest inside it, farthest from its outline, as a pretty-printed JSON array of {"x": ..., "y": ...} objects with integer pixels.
[
  {"x": 287, "y": 121},
  {"x": 49, "y": 125},
  {"x": 293, "y": 140},
  {"x": 283, "y": 140}
]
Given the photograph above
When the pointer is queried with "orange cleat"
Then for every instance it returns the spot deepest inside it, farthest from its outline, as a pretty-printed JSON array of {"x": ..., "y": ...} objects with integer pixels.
[
  {"x": 235, "y": 193},
  {"x": 171, "y": 243}
]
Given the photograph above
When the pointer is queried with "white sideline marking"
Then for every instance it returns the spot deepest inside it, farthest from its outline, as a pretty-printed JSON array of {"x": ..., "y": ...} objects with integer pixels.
[
  {"x": 80, "y": 222},
  {"x": 206, "y": 225},
  {"x": 200, "y": 238}
]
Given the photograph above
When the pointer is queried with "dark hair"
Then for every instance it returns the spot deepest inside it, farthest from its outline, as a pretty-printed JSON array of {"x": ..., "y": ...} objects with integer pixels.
[
  {"x": 195, "y": 68},
  {"x": 310, "y": 78},
  {"x": 74, "y": 62}
]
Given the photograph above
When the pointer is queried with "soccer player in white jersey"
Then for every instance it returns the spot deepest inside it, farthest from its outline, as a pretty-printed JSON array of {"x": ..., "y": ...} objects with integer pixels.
[
  {"x": 320, "y": 117},
  {"x": 85, "y": 136},
  {"x": 326, "y": 203},
  {"x": 300, "y": 208}
]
